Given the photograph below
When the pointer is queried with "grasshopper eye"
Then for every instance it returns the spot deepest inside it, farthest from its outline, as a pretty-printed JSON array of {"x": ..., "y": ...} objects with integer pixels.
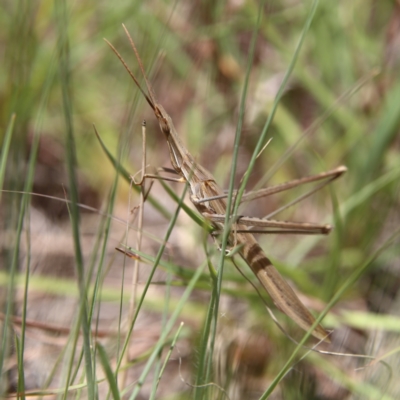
[{"x": 164, "y": 125}]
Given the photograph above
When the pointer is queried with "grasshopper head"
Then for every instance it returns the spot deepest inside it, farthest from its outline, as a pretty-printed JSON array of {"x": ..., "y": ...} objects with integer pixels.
[{"x": 163, "y": 119}]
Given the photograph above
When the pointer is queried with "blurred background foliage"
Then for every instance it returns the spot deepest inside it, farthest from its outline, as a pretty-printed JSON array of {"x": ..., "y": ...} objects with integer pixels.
[{"x": 341, "y": 107}]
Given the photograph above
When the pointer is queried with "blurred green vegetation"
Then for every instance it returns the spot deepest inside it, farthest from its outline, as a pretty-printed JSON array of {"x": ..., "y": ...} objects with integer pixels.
[{"x": 341, "y": 107}]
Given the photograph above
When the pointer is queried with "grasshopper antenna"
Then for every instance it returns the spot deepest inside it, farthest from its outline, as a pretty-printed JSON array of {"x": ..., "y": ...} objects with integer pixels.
[
  {"x": 149, "y": 88},
  {"x": 150, "y": 99}
]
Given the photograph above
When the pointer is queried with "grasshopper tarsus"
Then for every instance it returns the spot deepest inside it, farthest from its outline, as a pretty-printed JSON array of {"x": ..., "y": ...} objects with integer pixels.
[{"x": 128, "y": 253}]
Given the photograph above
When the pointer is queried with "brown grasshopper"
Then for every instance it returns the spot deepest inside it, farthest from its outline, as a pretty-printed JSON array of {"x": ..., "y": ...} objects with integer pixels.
[{"x": 209, "y": 199}]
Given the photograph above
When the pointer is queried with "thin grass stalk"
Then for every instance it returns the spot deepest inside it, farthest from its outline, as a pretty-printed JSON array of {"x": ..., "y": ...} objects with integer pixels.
[
  {"x": 168, "y": 355},
  {"x": 135, "y": 275},
  {"x": 230, "y": 217},
  {"x": 347, "y": 94},
  {"x": 177, "y": 310},
  {"x": 105, "y": 232},
  {"x": 25, "y": 199},
  {"x": 71, "y": 347},
  {"x": 160, "y": 367},
  {"x": 21, "y": 348},
  {"x": 386, "y": 132},
  {"x": 270, "y": 118},
  {"x": 54, "y": 369},
  {"x": 64, "y": 69},
  {"x": 14, "y": 264},
  {"x": 5, "y": 147},
  {"x": 161, "y": 342},
  {"x": 107, "y": 228},
  {"x": 156, "y": 262},
  {"x": 317, "y": 88},
  {"x": 332, "y": 274},
  {"x": 205, "y": 361},
  {"x": 3, "y": 166},
  {"x": 112, "y": 382},
  {"x": 96, "y": 296}
]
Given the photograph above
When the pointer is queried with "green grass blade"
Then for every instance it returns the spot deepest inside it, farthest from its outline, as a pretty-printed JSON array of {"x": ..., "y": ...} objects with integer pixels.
[
  {"x": 112, "y": 382},
  {"x": 61, "y": 18},
  {"x": 4, "y": 151},
  {"x": 226, "y": 233},
  {"x": 167, "y": 357},
  {"x": 386, "y": 132},
  {"x": 261, "y": 140},
  {"x": 156, "y": 263},
  {"x": 161, "y": 341}
]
